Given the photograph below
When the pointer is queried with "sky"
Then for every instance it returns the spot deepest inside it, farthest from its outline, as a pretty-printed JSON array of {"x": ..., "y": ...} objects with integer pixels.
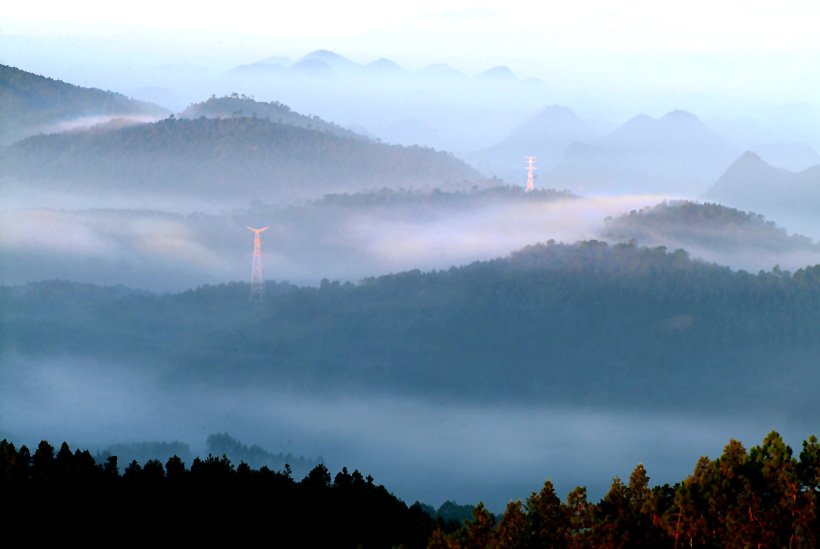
[{"x": 750, "y": 51}]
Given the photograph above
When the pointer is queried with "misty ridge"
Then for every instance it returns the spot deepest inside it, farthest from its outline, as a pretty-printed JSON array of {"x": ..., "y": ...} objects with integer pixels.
[
  {"x": 31, "y": 103},
  {"x": 220, "y": 158},
  {"x": 611, "y": 302},
  {"x": 348, "y": 237},
  {"x": 217, "y": 444},
  {"x": 689, "y": 327}
]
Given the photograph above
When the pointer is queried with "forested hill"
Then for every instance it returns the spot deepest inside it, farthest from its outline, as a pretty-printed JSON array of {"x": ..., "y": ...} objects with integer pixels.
[
  {"x": 586, "y": 324},
  {"x": 687, "y": 224},
  {"x": 240, "y": 105},
  {"x": 30, "y": 102},
  {"x": 242, "y": 158}
]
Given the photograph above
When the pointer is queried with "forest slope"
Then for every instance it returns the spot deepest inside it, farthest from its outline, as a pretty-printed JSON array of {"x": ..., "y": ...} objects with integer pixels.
[
  {"x": 240, "y": 158},
  {"x": 30, "y": 102},
  {"x": 238, "y": 106},
  {"x": 715, "y": 233},
  {"x": 587, "y": 325}
]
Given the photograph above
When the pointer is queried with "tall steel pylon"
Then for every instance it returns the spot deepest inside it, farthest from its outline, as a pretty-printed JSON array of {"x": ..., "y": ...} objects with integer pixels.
[
  {"x": 257, "y": 282},
  {"x": 530, "y": 168}
]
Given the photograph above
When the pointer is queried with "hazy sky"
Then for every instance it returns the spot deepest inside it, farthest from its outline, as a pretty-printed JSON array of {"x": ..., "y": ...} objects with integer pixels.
[{"x": 752, "y": 50}]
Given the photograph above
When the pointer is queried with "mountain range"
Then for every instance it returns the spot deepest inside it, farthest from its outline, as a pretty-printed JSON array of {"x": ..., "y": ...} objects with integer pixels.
[
  {"x": 676, "y": 154},
  {"x": 464, "y": 113},
  {"x": 546, "y": 135}
]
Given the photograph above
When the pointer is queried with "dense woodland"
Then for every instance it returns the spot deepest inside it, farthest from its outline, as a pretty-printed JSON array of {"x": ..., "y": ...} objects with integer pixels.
[
  {"x": 552, "y": 324},
  {"x": 212, "y": 500},
  {"x": 706, "y": 225},
  {"x": 222, "y": 158},
  {"x": 29, "y": 102},
  {"x": 764, "y": 497}
]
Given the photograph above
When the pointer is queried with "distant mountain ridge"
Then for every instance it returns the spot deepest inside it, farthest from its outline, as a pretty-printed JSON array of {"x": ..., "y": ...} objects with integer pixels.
[
  {"x": 338, "y": 65},
  {"x": 29, "y": 103},
  {"x": 546, "y": 135},
  {"x": 752, "y": 183},
  {"x": 465, "y": 112},
  {"x": 675, "y": 154}
]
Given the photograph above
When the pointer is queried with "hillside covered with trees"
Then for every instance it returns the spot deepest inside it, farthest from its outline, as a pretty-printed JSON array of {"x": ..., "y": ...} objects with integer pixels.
[
  {"x": 241, "y": 158},
  {"x": 30, "y": 102},
  {"x": 689, "y": 224},
  {"x": 763, "y": 497},
  {"x": 237, "y": 105},
  {"x": 553, "y": 324}
]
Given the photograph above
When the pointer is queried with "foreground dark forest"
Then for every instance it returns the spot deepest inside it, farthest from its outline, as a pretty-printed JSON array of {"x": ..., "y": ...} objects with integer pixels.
[{"x": 764, "y": 497}]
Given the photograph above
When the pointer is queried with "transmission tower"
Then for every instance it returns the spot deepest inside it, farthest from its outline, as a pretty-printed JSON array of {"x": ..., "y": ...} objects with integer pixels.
[
  {"x": 257, "y": 283},
  {"x": 530, "y": 168}
]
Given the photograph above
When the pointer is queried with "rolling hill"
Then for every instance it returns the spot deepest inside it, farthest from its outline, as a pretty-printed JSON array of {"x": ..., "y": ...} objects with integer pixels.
[
  {"x": 587, "y": 325},
  {"x": 30, "y": 104},
  {"x": 222, "y": 158},
  {"x": 241, "y": 106}
]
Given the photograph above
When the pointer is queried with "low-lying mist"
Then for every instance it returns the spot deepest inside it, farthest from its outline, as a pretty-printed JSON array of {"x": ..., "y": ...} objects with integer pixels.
[
  {"x": 419, "y": 449},
  {"x": 342, "y": 237},
  {"x": 171, "y": 251}
]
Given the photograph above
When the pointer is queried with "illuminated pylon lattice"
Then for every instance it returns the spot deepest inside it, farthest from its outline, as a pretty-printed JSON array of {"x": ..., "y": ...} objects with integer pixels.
[
  {"x": 530, "y": 168},
  {"x": 257, "y": 283}
]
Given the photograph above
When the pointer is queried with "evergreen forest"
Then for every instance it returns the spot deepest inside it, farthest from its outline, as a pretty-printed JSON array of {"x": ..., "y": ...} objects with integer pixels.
[
  {"x": 222, "y": 158},
  {"x": 552, "y": 324},
  {"x": 763, "y": 497}
]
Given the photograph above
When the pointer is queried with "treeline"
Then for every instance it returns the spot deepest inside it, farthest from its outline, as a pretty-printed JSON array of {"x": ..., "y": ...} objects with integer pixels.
[
  {"x": 222, "y": 444},
  {"x": 587, "y": 324},
  {"x": 492, "y": 191},
  {"x": 69, "y": 493},
  {"x": 223, "y": 157},
  {"x": 29, "y": 101},
  {"x": 764, "y": 498},
  {"x": 239, "y": 105}
]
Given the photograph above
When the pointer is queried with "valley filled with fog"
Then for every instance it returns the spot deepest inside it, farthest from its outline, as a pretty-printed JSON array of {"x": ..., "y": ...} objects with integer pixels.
[{"x": 426, "y": 319}]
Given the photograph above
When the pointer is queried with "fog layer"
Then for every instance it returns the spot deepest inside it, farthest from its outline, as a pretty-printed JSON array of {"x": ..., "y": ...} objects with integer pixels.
[{"x": 419, "y": 449}]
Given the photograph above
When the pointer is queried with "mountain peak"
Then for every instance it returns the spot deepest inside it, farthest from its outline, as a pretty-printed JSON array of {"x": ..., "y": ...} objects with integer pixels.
[
  {"x": 441, "y": 70},
  {"x": 680, "y": 117},
  {"x": 500, "y": 73},
  {"x": 749, "y": 158},
  {"x": 384, "y": 65},
  {"x": 334, "y": 60},
  {"x": 679, "y": 114}
]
